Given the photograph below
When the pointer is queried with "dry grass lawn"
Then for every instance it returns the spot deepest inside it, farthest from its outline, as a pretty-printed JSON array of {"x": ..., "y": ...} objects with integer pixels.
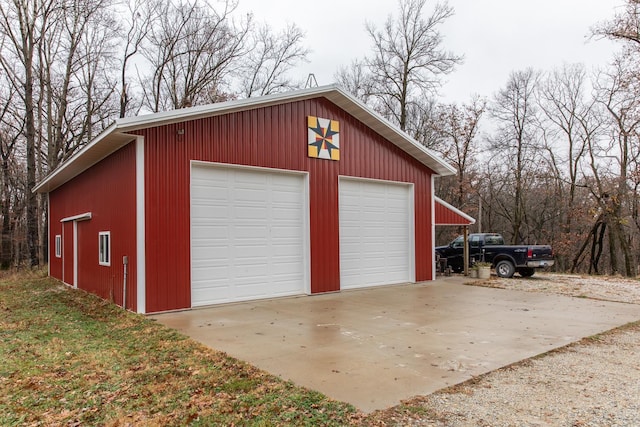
[{"x": 70, "y": 358}]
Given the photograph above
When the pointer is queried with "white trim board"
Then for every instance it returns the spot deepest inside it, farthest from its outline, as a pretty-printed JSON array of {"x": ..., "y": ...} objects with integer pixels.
[
  {"x": 141, "y": 236},
  {"x": 81, "y": 217}
]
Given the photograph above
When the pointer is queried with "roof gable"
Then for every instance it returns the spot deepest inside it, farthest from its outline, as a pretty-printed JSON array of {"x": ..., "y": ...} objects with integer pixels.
[{"x": 117, "y": 135}]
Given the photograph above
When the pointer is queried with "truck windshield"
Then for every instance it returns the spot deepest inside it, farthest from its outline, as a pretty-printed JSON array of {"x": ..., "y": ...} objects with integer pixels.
[{"x": 458, "y": 243}]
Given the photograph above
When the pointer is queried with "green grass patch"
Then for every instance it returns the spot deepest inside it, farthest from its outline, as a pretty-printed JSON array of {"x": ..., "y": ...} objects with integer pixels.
[{"x": 70, "y": 358}]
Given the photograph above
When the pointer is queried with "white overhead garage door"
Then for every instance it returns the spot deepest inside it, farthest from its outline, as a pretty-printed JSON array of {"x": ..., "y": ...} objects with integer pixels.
[
  {"x": 248, "y": 234},
  {"x": 376, "y": 233}
]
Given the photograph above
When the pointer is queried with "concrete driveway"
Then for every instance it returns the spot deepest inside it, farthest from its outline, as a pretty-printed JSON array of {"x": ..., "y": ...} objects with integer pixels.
[{"x": 375, "y": 347}]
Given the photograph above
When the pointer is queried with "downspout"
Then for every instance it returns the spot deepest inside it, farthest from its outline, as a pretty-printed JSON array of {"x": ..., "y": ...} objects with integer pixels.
[{"x": 125, "y": 262}]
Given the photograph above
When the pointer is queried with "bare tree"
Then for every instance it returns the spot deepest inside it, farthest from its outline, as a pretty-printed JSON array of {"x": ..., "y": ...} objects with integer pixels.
[
  {"x": 11, "y": 128},
  {"x": 57, "y": 58},
  {"x": 136, "y": 25},
  {"x": 625, "y": 26},
  {"x": 617, "y": 93},
  {"x": 23, "y": 24},
  {"x": 457, "y": 127},
  {"x": 515, "y": 145},
  {"x": 270, "y": 58},
  {"x": 569, "y": 122},
  {"x": 408, "y": 59},
  {"x": 140, "y": 16},
  {"x": 191, "y": 51},
  {"x": 566, "y": 111},
  {"x": 75, "y": 48},
  {"x": 75, "y": 54},
  {"x": 93, "y": 103},
  {"x": 355, "y": 79}
]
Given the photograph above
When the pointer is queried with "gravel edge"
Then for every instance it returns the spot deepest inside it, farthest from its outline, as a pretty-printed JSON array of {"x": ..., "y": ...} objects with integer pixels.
[{"x": 592, "y": 382}]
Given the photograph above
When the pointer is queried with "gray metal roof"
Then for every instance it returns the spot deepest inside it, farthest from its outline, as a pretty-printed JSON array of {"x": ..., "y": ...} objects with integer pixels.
[{"x": 116, "y": 136}]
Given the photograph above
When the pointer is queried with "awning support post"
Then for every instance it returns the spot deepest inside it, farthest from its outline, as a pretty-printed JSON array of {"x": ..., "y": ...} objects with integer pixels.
[{"x": 465, "y": 251}]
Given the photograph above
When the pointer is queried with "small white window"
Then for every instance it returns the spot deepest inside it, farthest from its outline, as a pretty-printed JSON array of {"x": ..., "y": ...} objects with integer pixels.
[
  {"x": 58, "y": 246},
  {"x": 104, "y": 248}
]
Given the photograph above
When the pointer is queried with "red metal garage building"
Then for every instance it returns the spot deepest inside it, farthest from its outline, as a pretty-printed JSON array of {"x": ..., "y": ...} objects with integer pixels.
[{"x": 297, "y": 193}]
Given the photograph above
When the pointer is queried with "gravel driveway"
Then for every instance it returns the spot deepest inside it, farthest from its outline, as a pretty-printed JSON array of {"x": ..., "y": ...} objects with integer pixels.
[{"x": 595, "y": 382}]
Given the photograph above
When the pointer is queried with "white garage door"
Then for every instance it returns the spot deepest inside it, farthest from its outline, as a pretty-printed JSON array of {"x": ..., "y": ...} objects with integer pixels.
[
  {"x": 247, "y": 234},
  {"x": 376, "y": 233}
]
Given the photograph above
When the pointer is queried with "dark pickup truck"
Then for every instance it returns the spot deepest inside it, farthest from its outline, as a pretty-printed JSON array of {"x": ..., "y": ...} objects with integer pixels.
[{"x": 506, "y": 259}]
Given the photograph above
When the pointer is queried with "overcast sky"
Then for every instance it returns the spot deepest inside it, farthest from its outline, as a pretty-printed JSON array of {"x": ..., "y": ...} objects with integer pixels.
[{"x": 495, "y": 36}]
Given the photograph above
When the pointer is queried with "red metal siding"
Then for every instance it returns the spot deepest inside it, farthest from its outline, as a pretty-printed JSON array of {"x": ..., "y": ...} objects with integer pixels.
[
  {"x": 272, "y": 137},
  {"x": 56, "y": 269},
  {"x": 107, "y": 190},
  {"x": 445, "y": 216}
]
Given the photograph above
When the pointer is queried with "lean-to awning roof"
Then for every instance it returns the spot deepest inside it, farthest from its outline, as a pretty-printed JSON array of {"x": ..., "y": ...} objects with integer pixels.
[{"x": 449, "y": 215}]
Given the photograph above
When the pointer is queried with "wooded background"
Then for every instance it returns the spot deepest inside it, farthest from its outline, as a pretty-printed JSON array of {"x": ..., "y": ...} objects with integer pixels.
[{"x": 551, "y": 158}]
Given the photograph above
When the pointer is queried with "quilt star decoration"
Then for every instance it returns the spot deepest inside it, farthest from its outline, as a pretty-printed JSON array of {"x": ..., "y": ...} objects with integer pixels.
[{"x": 324, "y": 138}]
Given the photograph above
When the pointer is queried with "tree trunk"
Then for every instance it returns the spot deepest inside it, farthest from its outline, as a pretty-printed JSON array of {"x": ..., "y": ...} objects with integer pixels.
[
  {"x": 6, "y": 247},
  {"x": 32, "y": 199},
  {"x": 620, "y": 246}
]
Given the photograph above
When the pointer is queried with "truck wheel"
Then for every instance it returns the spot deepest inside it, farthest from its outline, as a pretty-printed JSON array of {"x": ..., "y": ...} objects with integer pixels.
[
  {"x": 505, "y": 269},
  {"x": 526, "y": 272}
]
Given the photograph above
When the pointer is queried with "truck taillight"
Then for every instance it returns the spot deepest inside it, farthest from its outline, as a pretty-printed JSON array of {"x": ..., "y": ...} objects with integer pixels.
[{"x": 530, "y": 253}]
